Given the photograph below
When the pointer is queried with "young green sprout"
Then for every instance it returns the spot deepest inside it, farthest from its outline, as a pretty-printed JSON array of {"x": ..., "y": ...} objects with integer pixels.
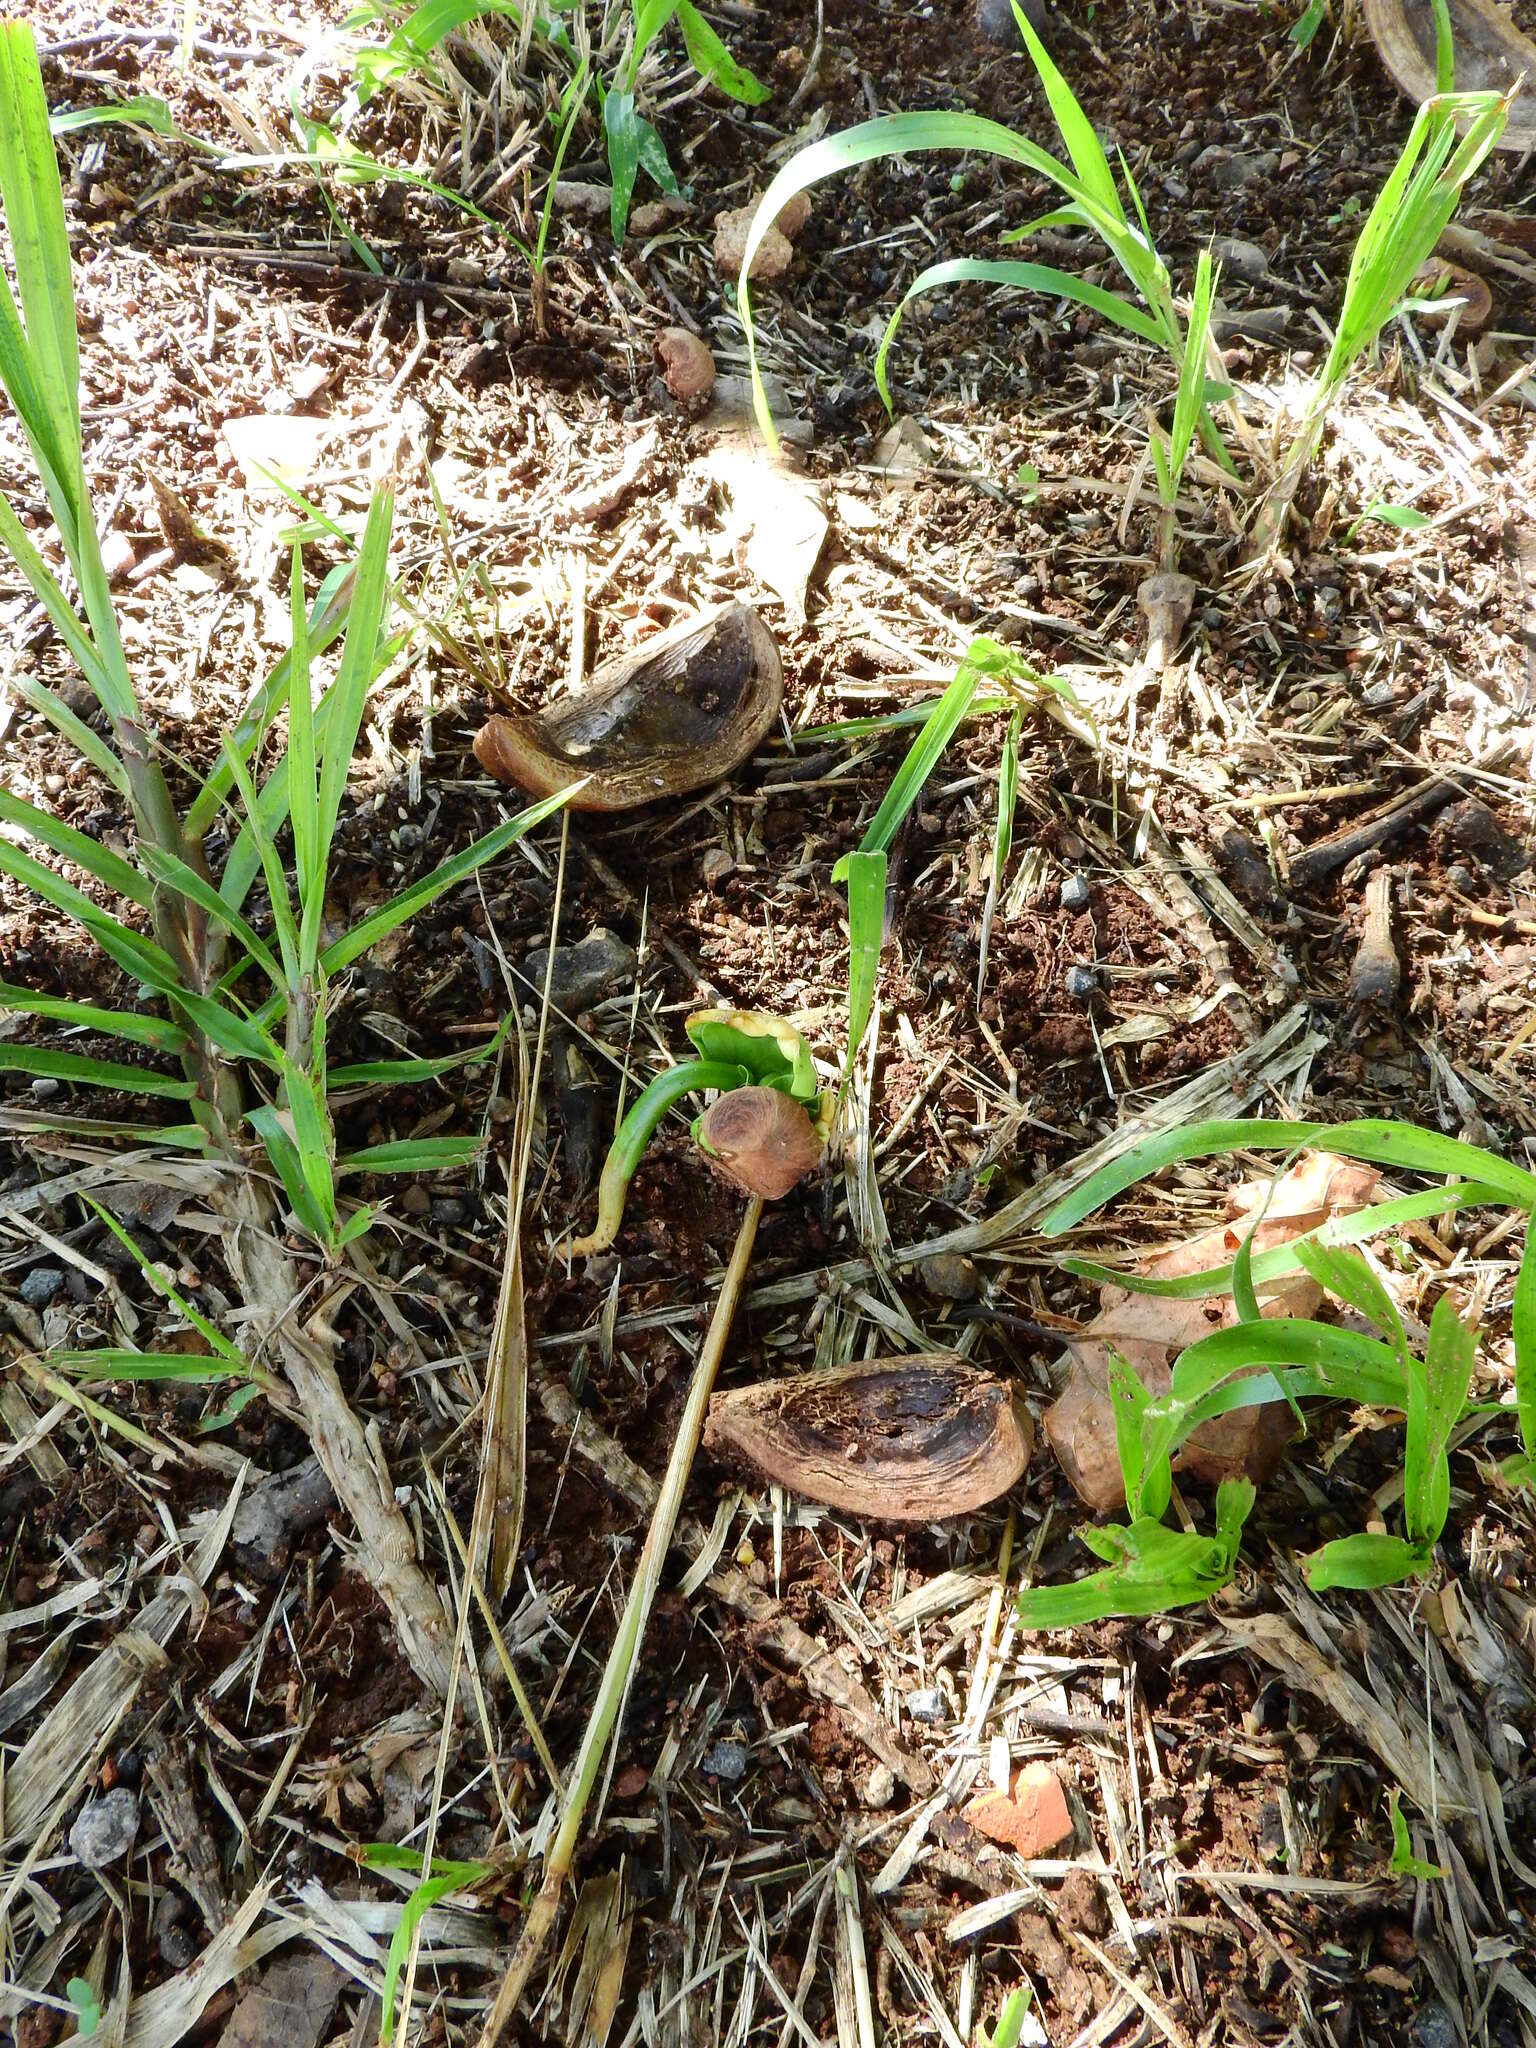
[{"x": 743, "y": 1052}]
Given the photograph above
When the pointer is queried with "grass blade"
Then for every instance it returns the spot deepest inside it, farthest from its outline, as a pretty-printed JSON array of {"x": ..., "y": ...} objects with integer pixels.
[
  {"x": 129, "y": 1025},
  {"x": 136, "y": 954},
  {"x": 1407, "y": 1148},
  {"x": 1032, "y": 277},
  {"x": 413, "y": 1155},
  {"x": 85, "y": 1071},
  {"x": 113, "y": 872},
  {"x": 865, "y": 874}
]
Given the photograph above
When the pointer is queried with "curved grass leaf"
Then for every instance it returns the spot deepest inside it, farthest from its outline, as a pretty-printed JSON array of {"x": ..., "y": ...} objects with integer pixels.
[
  {"x": 1523, "y": 1330},
  {"x": 49, "y": 705},
  {"x": 714, "y": 62},
  {"x": 443, "y": 877},
  {"x": 136, "y": 954},
  {"x": 87, "y": 1072},
  {"x": 175, "y": 874},
  {"x": 1280, "y": 1259},
  {"x": 110, "y": 869},
  {"x": 1364, "y": 1562},
  {"x": 1407, "y": 1148},
  {"x": 413, "y": 1155},
  {"x": 131, "y": 1025},
  {"x": 1031, "y": 277},
  {"x": 217, "y": 1342}
]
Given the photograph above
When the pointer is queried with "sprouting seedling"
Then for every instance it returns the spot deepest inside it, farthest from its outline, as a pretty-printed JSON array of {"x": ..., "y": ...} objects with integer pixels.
[
  {"x": 1404, "y": 1863},
  {"x": 737, "y": 1050},
  {"x": 1150, "y": 1568}
]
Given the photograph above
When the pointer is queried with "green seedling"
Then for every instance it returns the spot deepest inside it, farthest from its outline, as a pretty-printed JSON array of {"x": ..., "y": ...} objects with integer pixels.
[
  {"x": 1092, "y": 202},
  {"x": 1452, "y": 136},
  {"x": 1188, "y": 406},
  {"x": 1258, "y": 1360},
  {"x": 1010, "y": 2022},
  {"x": 1150, "y": 1568},
  {"x": 633, "y": 142},
  {"x": 1404, "y": 1863},
  {"x": 864, "y": 872},
  {"x": 87, "y": 2007},
  {"x": 736, "y": 1049}
]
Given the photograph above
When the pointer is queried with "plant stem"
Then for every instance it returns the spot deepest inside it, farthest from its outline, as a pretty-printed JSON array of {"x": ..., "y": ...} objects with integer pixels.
[{"x": 626, "y": 1645}]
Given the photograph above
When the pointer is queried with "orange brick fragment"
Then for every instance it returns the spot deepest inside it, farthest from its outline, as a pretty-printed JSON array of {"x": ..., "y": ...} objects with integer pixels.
[{"x": 1031, "y": 1818}]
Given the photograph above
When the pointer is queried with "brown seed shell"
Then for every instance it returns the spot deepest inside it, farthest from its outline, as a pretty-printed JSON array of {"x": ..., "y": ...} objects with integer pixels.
[
  {"x": 897, "y": 1439},
  {"x": 686, "y": 364},
  {"x": 761, "y": 1140},
  {"x": 684, "y": 710},
  {"x": 1491, "y": 54}
]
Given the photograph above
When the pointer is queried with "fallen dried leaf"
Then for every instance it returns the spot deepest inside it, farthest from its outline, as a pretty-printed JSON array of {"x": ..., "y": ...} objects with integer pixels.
[{"x": 1150, "y": 1332}]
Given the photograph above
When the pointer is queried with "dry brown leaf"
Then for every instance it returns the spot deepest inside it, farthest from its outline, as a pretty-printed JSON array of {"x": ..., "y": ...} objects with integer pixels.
[{"x": 1150, "y": 1332}]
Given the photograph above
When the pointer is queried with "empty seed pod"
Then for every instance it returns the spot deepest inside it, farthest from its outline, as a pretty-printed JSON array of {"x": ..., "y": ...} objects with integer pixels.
[
  {"x": 684, "y": 710},
  {"x": 898, "y": 1439},
  {"x": 1491, "y": 55},
  {"x": 761, "y": 1140}
]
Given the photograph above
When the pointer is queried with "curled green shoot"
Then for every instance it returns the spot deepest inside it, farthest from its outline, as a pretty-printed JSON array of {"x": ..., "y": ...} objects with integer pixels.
[{"x": 635, "y": 1133}]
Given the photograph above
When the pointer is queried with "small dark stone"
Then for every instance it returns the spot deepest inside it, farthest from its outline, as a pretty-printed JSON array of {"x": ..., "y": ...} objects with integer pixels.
[
  {"x": 1433, "y": 2027},
  {"x": 727, "y": 1761},
  {"x": 1075, "y": 893},
  {"x": 927, "y": 1704},
  {"x": 41, "y": 1285},
  {"x": 447, "y": 1209},
  {"x": 595, "y": 966},
  {"x": 105, "y": 1829},
  {"x": 1082, "y": 981},
  {"x": 995, "y": 19}
]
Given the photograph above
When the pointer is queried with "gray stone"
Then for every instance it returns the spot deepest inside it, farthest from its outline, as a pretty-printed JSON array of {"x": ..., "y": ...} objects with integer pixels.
[
  {"x": 106, "y": 1829},
  {"x": 995, "y": 19},
  {"x": 727, "y": 1760},
  {"x": 41, "y": 1285},
  {"x": 596, "y": 966},
  {"x": 1082, "y": 981},
  {"x": 1433, "y": 2027},
  {"x": 880, "y": 1787},
  {"x": 1245, "y": 260},
  {"x": 1075, "y": 893},
  {"x": 928, "y": 1704}
]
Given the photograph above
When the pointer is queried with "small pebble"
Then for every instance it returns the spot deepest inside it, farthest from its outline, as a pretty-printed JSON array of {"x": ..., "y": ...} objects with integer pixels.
[
  {"x": 1461, "y": 878},
  {"x": 41, "y": 1285},
  {"x": 106, "y": 1829},
  {"x": 880, "y": 1787},
  {"x": 995, "y": 19},
  {"x": 928, "y": 1704},
  {"x": 727, "y": 1761},
  {"x": 1433, "y": 2027},
  {"x": 1075, "y": 893},
  {"x": 1241, "y": 259},
  {"x": 950, "y": 1276},
  {"x": 447, "y": 1209},
  {"x": 1082, "y": 981},
  {"x": 595, "y": 966},
  {"x": 46, "y": 1088}
]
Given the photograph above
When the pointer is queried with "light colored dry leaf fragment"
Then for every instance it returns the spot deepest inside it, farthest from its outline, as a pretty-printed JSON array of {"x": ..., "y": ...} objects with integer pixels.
[
  {"x": 1150, "y": 1332},
  {"x": 775, "y": 519},
  {"x": 273, "y": 448}
]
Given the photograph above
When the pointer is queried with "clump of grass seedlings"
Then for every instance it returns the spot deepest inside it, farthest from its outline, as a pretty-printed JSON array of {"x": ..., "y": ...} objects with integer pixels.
[
  {"x": 1256, "y": 1360},
  {"x": 234, "y": 1020},
  {"x": 1092, "y": 202},
  {"x": 1452, "y": 136},
  {"x": 609, "y": 77}
]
